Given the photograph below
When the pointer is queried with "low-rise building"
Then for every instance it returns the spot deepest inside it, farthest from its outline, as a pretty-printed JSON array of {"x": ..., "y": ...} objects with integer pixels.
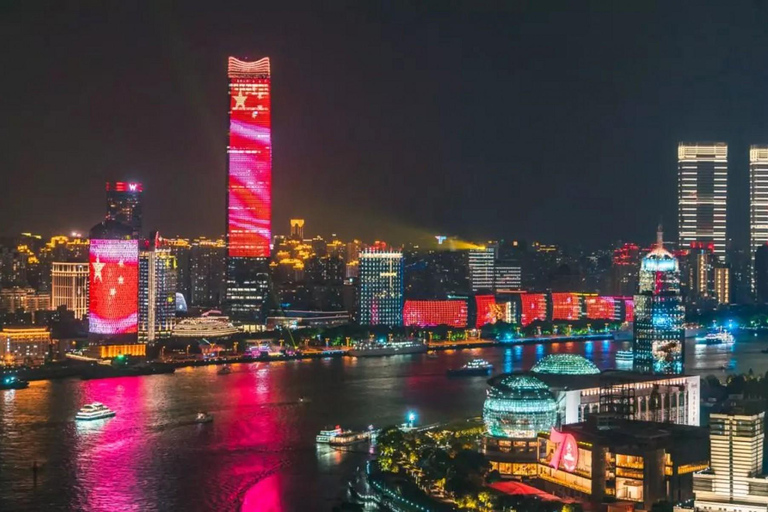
[{"x": 20, "y": 345}]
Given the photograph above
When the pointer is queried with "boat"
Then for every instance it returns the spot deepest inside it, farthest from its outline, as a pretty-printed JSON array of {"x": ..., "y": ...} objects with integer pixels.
[
  {"x": 624, "y": 356},
  {"x": 225, "y": 370},
  {"x": 325, "y": 435},
  {"x": 432, "y": 355},
  {"x": 474, "y": 367},
  {"x": 203, "y": 417},
  {"x": 304, "y": 399},
  {"x": 388, "y": 348},
  {"x": 718, "y": 337},
  {"x": 94, "y": 411},
  {"x": 13, "y": 382},
  {"x": 350, "y": 437}
]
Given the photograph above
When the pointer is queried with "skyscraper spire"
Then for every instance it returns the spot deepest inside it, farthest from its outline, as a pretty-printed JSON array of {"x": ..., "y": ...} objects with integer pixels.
[{"x": 660, "y": 236}]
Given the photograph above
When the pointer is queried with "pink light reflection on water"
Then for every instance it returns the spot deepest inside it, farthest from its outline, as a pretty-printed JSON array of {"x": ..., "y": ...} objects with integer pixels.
[
  {"x": 265, "y": 496},
  {"x": 108, "y": 450}
]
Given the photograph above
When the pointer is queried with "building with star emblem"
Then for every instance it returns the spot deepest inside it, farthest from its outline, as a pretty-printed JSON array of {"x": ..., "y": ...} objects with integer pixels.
[
  {"x": 113, "y": 284},
  {"x": 249, "y": 189}
]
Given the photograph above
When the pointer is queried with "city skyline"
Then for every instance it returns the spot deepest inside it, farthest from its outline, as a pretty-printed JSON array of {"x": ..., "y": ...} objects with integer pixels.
[{"x": 335, "y": 128}]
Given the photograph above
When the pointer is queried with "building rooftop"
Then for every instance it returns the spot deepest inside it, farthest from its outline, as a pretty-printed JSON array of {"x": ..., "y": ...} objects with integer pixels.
[{"x": 587, "y": 381}]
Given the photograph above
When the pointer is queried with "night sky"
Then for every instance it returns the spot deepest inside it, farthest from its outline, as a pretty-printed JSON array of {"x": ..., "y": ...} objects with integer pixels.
[{"x": 532, "y": 120}]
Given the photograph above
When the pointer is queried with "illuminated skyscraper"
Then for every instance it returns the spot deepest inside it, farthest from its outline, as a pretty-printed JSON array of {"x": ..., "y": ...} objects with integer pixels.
[
  {"x": 113, "y": 283},
  {"x": 297, "y": 229},
  {"x": 124, "y": 204},
  {"x": 758, "y": 199},
  {"x": 658, "y": 344},
  {"x": 208, "y": 270},
  {"x": 381, "y": 287},
  {"x": 482, "y": 264},
  {"x": 70, "y": 287},
  {"x": 249, "y": 189},
  {"x": 702, "y": 188},
  {"x": 157, "y": 291}
]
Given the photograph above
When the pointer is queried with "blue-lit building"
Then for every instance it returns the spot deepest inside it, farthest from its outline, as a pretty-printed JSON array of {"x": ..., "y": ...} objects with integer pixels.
[
  {"x": 381, "y": 287},
  {"x": 659, "y": 337}
]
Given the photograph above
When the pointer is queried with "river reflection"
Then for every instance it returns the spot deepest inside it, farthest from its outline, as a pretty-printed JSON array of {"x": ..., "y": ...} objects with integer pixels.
[{"x": 259, "y": 452}]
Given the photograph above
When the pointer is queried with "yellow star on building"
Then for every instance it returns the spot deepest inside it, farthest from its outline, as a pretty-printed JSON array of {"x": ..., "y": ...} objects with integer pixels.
[
  {"x": 240, "y": 99},
  {"x": 97, "y": 267}
]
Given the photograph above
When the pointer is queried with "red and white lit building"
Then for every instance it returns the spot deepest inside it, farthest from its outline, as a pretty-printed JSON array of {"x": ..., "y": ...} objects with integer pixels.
[{"x": 113, "y": 289}]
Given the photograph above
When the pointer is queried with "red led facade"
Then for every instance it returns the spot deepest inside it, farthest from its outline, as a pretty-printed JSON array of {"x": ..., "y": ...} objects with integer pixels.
[
  {"x": 487, "y": 312},
  {"x": 428, "y": 313},
  {"x": 566, "y": 306},
  {"x": 249, "y": 190},
  {"x": 600, "y": 308},
  {"x": 113, "y": 287},
  {"x": 629, "y": 310},
  {"x": 533, "y": 306}
]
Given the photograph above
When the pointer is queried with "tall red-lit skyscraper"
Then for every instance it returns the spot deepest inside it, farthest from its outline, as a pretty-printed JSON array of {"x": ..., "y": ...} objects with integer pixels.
[{"x": 249, "y": 186}]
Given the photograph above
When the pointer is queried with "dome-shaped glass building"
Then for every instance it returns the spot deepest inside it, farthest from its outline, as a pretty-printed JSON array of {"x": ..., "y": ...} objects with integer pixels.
[
  {"x": 565, "y": 364},
  {"x": 518, "y": 406}
]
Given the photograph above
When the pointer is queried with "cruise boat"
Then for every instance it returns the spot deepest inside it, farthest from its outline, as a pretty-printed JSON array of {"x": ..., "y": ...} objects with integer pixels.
[
  {"x": 718, "y": 337},
  {"x": 474, "y": 367},
  {"x": 624, "y": 356},
  {"x": 325, "y": 435},
  {"x": 13, "y": 382},
  {"x": 94, "y": 411},
  {"x": 388, "y": 348}
]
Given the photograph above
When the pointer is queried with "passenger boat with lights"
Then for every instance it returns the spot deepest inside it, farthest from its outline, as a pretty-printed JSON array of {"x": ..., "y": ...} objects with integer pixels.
[
  {"x": 336, "y": 436},
  {"x": 94, "y": 411},
  {"x": 718, "y": 337},
  {"x": 388, "y": 348},
  {"x": 13, "y": 382},
  {"x": 472, "y": 368},
  {"x": 624, "y": 356}
]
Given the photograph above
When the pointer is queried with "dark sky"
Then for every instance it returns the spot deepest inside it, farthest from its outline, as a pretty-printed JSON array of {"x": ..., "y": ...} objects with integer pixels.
[{"x": 531, "y": 120}]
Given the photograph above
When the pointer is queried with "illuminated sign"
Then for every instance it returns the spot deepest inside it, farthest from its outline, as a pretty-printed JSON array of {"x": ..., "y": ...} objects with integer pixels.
[
  {"x": 566, "y": 306},
  {"x": 567, "y": 451},
  {"x": 113, "y": 286},
  {"x": 249, "y": 189},
  {"x": 122, "y": 186}
]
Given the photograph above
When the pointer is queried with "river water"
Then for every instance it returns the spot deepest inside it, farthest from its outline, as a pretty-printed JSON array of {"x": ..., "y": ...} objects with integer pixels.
[{"x": 259, "y": 453}]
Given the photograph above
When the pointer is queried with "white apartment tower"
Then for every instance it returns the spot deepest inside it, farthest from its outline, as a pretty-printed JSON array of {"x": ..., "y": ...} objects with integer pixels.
[{"x": 702, "y": 188}]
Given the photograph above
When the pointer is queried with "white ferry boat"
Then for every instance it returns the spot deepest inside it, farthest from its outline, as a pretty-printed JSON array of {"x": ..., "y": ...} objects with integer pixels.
[
  {"x": 94, "y": 411},
  {"x": 325, "y": 435},
  {"x": 474, "y": 367},
  {"x": 624, "y": 356},
  {"x": 388, "y": 348},
  {"x": 719, "y": 337}
]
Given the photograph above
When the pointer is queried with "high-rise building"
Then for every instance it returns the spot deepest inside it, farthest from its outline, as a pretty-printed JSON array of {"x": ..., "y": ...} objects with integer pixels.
[
  {"x": 25, "y": 299},
  {"x": 297, "y": 229},
  {"x": 482, "y": 268},
  {"x": 124, "y": 204},
  {"x": 249, "y": 189},
  {"x": 69, "y": 287},
  {"x": 700, "y": 266},
  {"x": 157, "y": 291},
  {"x": 722, "y": 283},
  {"x": 180, "y": 249},
  {"x": 508, "y": 276},
  {"x": 381, "y": 287},
  {"x": 702, "y": 194},
  {"x": 624, "y": 268},
  {"x": 208, "y": 264},
  {"x": 659, "y": 336},
  {"x": 758, "y": 197},
  {"x": 113, "y": 295},
  {"x": 761, "y": 274},
  {"x": 735, "y": 482}
]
